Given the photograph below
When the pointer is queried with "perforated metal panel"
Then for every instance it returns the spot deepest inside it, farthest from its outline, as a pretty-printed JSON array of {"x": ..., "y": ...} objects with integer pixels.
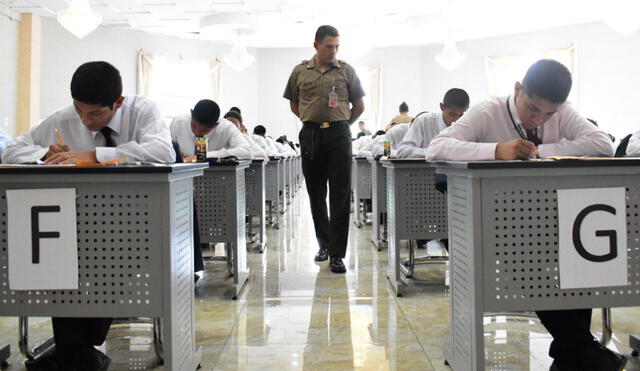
[
  {"x": 421, "y": 209},
  {"x": 271, "y": 180},
  {"x": 363, "y": 179},
  {"x": 379, "y": 192},
  {"x": 255, "y": 189},
  {"x": 119, "y": 262},
  {"x": 521, "y": 243},
  {"x": 219, "y": 194}
]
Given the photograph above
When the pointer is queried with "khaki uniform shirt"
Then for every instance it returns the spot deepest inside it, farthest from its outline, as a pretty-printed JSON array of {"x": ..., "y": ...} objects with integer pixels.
[
  {"x": 310, "y": 88},
  {"x": 402, "y": 118}
]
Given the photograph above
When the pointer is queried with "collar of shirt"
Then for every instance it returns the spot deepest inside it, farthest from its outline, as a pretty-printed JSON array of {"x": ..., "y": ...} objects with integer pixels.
[
  {"x": 514, "y": 113},
  {"x": 115, "y": 124},
  {"x": 311, "y": 63},
  {"x": 441, "y": 123}
]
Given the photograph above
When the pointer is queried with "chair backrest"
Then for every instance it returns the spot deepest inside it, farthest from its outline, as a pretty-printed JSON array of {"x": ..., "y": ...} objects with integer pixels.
[{"x": 621, "y": 151}]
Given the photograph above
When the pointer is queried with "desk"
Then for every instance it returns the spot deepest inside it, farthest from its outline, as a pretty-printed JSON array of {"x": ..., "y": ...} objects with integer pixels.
[
  {"x": 501, "y": 272},
  {"x": 136, "y": 221},
  {"x": 282, "y": 181},
  {"x": 220, "y": 198},
  {"x": 272, "y": 181},
  {"x": 361, "y": 188},
  {"x": 415, "y": 210},
  {"x": 379, "y": 207},
  {"x": 255, "y": 196}
]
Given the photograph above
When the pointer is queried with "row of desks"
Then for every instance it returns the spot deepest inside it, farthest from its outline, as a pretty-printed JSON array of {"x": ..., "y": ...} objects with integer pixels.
[
  {"x": 501, "y": 219},
  {"x": 135, "y": 238}
]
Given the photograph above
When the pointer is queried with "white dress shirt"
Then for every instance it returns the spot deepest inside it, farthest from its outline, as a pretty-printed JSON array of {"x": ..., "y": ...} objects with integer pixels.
[
  {"x": 633, "y": 148},
  {"x": 423, "y": 129},
  {"x": 376, "y": 146},
  {"x": 476, "y": 134},
  {"x": 138, "y": 128},
  {"x": 264, "y": 145},
  {"x": 272, "y": 146},
  {"x": 222, "y": 141},
  {"x": 285, "y": 150},
  {"x": 256, "y": 150}
]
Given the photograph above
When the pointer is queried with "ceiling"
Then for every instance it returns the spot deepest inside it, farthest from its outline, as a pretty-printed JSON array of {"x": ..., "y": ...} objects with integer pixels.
[{"x": 362, "y": 23}]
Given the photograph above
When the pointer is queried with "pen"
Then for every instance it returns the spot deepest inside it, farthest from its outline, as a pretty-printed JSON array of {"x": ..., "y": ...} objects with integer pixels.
[{"x": 60, "y": 140}]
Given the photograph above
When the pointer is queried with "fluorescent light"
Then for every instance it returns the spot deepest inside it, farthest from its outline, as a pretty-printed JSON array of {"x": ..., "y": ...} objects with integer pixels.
[{"x": 79, "y": 19}]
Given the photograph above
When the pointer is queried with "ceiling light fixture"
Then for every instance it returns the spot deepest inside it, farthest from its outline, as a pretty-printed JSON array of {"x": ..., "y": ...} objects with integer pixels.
[
  {"x": 79, "y": 19},
  {"x": 450, "y": 58},
  {"x": 239, "y": 58}
]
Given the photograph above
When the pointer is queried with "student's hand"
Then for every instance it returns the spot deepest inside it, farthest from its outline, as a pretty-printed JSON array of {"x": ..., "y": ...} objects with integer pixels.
[
  {"x": 56, "y": 148},
  {"x": 518, "y": 149},
  {"x": 72, "y": 158}
]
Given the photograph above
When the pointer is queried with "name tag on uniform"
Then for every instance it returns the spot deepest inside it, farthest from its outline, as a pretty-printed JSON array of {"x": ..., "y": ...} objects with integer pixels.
[{"x": 333, "y": 98}]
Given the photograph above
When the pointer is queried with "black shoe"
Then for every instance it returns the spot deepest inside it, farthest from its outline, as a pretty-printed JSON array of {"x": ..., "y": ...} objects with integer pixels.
[
  {"x": 564, "y": 364},
  {"x": 599, "y": 358},
  {"x": 337, "y": 266},
  {"x": 48, "y": 362},
  {"x": 85, "y": 358},
  {"x": 321, "y": 256}
]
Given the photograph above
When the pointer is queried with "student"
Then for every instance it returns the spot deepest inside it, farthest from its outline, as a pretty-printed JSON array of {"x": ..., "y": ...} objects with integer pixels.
[
  {"x": 283, "y": 146},
  {"x": 259, "y": 137},
  {"x": 4, "y": 141},
  {"x": 402, "y": 118},
  {"x": 100, "y": 125},
  {"x": 633, "y": 148},
  {"x": 256, "y": 150},
  {"x": 427, "y": 125},
  {"x": 223, "y": 138},
  {"x": 536, "y": 121},
  {"x": 394, "y": 135}
]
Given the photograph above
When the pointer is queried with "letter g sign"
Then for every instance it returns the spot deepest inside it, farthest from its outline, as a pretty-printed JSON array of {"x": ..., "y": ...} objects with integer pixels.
[{"x": 613, "y": 236}]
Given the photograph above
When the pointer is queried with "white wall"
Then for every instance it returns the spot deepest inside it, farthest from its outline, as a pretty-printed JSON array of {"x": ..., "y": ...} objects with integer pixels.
[
  {"x": 62, "y": 53},
  {"x": 9, "y": 71}
]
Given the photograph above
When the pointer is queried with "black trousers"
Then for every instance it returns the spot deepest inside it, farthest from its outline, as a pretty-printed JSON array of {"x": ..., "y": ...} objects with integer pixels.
[
  {"x": 571, "y": 330},
  {"x": 74, "y": 333},
  {"x": 198, "y": 261},
  {"x": 326, "y": 157}
]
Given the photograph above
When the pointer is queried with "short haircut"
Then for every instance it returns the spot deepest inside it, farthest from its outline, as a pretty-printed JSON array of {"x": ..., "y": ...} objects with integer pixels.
[
  {"x": 97, "y": 83},
  {"x": 456, "y": 98},
  {"x": 206, "y": 112},
  {"x": 234, "y": 108},
  {"x": 324, "y": 31},
  {"x": 404, "y": 107},
  {"x": 233, "y": 114},
  {"x": 548, "y": 79},
  {"x": 379, "y": 132},
  {"x": 260, "y": 130}
]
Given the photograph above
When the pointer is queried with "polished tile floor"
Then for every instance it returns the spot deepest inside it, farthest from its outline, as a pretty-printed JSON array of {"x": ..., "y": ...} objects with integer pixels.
[{"x": 295, "y": 314}]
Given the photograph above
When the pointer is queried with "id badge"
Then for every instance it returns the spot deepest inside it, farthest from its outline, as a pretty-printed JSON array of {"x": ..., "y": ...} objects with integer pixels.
[{"x": 333, "y": 99}]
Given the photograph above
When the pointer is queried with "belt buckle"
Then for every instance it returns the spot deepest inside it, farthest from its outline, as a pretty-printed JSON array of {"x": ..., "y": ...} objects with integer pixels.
[{"x": 325, "y": 125}]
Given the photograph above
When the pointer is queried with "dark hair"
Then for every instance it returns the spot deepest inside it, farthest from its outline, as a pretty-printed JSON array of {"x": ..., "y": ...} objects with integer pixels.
[
  {"x": 234, "y": 108},
  {"x": 324, "y": 31},
  {"x": 404, "y": 107},
  {"x": 206, "y": 112},
  {"x": 233, "y": 114},
  {"x": 548, "y": 79},
  {"x": 379, "y": 132},
  {"x": 360, "y": 134},
  {"x": 457, "y": 98},
  {"x": 96, "y": 83},
  {"x": 260, "y": 130},
  {"x": 280, "y": 140}
]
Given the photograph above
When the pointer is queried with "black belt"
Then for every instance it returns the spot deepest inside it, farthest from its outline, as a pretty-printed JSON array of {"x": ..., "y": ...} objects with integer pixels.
[{"x": 324, "y": 125}]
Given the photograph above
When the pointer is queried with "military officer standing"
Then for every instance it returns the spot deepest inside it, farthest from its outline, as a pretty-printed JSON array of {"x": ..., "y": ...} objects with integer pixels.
[{"x": 326, "y": 95}]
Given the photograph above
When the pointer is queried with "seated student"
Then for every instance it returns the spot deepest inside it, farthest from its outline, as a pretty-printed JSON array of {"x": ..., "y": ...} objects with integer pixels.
[
  {"x": 427, "y": 125},
  {"x": 223, "y": 138},
  {"x": 100, "y": 125},
  {"x": 267, "y": 143},
  {"x": 256, "y": 150},
  {"x": 284, "y": 148},
  {"x": 394, "y": 135},
  {"x": 361, "y": 142},
  {"x": 4, "y": 141},
  {"x": 633, "y": 148},
  {"x": 536, "y": 121},
  {"x": 402, "y": 118}
]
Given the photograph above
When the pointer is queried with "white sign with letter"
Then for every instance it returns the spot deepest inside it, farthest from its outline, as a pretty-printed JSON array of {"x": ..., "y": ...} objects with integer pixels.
[
  {"x": 592, "y": 237},
  {"x": 42, "y": 239}
]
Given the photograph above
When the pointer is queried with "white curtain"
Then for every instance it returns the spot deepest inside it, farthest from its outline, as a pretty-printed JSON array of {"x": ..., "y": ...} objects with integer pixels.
[
  {"x": 214, "y": 71},
  {"x": 145, "y": 72},
  {"x": 374, "y": 90}
]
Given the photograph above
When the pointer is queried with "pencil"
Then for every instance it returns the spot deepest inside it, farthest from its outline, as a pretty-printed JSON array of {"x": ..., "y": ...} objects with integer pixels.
[{"x": 59, "y": 137}]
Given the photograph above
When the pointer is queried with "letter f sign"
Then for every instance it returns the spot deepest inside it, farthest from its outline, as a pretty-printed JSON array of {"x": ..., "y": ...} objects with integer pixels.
[{"x": 36, "y": 234}]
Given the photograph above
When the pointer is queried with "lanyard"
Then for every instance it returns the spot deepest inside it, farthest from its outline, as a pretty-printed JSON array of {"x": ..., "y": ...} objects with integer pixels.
[{"x": 518, "y": 127}]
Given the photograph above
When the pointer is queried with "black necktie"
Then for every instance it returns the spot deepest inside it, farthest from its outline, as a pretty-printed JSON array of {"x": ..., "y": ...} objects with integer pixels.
[
  {"x": 533, "y": 137},
  {"x": 108, "y": 141}
]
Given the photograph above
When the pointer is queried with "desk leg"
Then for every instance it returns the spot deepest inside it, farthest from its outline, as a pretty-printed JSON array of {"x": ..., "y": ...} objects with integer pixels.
[
  {"x": 5, "y": 353},
  {"x": 239, "y": 266}
]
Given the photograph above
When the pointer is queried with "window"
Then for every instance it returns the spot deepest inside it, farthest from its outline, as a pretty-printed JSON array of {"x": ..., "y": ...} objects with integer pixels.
[
  {"x": 504, "y": 71},
  {"x": 177, "y": 84},
  {"x": 370, "y": 80}
]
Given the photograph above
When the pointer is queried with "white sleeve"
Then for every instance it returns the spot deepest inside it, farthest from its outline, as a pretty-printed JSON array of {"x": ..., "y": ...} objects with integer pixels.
[
  {"x": 25, "y": 150},
  {"x": 152, "y": 141},
  {"x": 459, "y": 142},
  {"x": 236, "y": 145},
  {"x": 411, "y": 144},
  {"x": 578, "y": 137},
  {"x": 633, "y": 148}
]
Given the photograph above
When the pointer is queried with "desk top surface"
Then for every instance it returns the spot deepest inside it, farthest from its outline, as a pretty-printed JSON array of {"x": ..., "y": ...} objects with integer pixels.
[
  {"x": 540, "y": 164},
  {"x": 119, "y": 169}
]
